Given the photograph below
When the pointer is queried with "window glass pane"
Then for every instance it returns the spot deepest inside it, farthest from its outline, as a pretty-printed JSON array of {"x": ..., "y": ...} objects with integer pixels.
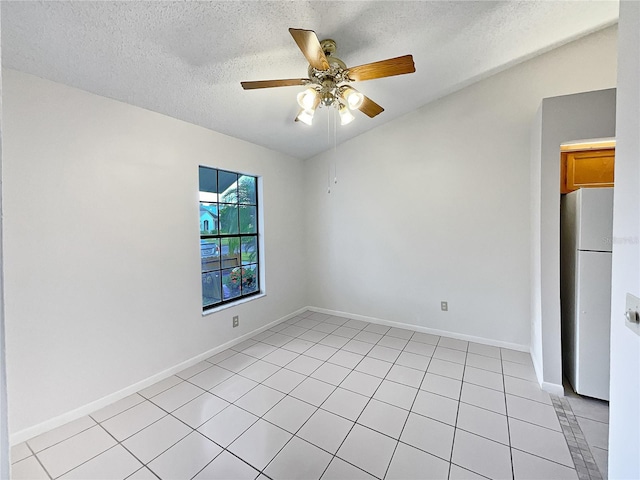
[
  {"x": 208, "y": 179},
  {"x": 230, "y": 249},
  {"x": 249, "y": 250},
  {"x": 208, "y": 218},
  {"x": 228, "y": 219},
  {"x": 228, "y": 186},
  {"x": 249, "y": 279},
  {"x": 211, "y": 291},
  {"x": 248, "y": 219},
  {"x": 228, "y": 236},
  {"x": 231, "y": 283},
  {"x": 247, "y": 189},
  {"x": 210, "y": 254}
]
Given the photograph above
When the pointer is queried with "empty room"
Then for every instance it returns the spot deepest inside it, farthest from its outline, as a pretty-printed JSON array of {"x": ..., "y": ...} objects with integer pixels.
[{"x": 320, "y": 240}]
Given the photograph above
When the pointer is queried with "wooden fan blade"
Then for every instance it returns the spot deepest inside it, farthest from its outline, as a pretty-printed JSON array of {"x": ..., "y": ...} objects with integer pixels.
[
  {"x": 310, "y": 46},
  {"x": 383, "y": 68},
  {"x": 274, "y": 83},
  {"x": 370, "y": 108}
]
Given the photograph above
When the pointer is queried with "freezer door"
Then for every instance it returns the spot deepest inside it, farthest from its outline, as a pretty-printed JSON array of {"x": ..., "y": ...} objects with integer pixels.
[
  {"x": 593, "y": 324},
  {"x": 595, "y": 226}
]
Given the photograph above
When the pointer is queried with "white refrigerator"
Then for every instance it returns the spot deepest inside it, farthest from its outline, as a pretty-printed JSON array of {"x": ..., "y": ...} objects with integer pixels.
[{"x": 585, "y": 289}]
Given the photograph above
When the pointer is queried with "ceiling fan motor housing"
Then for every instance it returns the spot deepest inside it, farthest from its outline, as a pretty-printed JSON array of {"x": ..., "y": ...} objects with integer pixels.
[{"x": 328, "y": 81}]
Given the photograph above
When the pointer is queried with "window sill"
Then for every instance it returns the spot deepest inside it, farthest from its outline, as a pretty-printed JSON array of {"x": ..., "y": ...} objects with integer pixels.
[{"x": 233, "y": 304}]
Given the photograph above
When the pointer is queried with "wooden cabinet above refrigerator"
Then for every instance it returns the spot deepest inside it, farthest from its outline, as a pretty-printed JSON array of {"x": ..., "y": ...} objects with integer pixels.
[{"x": 591, "y": 168}]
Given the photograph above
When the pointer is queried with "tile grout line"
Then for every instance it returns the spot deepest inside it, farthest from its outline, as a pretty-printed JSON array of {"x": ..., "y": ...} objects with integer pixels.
[
  {"x": 81, "y": 463},
  {"x": 581, "y": 455},
  {"x": 294, "y": 435},
  {"x": 354, "y": 369},
  {"x": 144, "y": 465},
  {"x": 288, "y": 394},
  {"x": 455, "y": 427},
  {"x": 424, "y": 374},
  {"x": 408, "y": 415},
  {"x": 170, "y": 414},
  {"x": 334, "y": 455},
  {"x": 371, "y": 398},
  {"x": 506, "y": 411},
  {"x": 26, "y": 442},
  {"x": 372, "y": 395},
  {"x": 355, "y": 422},
  {"x": 311, "y": 343},
  {"x": 38, "y": 460},
  {"x": 195, "y": 430}
]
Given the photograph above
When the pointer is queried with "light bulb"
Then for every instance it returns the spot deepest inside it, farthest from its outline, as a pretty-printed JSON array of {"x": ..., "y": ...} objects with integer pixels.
[
  {"x": 305, "y": 116},
  {"x": 307, "y": 98},
  {"x": 353, "y": 98},
  {"x": 345, "y": 115}
]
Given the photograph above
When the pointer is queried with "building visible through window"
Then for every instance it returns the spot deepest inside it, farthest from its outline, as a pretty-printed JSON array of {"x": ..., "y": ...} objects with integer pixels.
[{"x": 228, "y": 236}]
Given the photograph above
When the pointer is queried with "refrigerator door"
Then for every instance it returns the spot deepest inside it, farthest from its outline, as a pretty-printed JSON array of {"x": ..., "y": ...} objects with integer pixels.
[
  {"x": 593, "y": 320},
  {"x": 595, "y": 211}
]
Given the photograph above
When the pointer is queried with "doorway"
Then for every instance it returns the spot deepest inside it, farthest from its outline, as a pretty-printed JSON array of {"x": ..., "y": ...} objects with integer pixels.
[{"x": 586, "y": 188}]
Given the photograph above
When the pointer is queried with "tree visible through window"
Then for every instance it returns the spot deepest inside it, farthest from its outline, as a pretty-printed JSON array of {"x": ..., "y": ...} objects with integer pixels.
[{"x": 228, "y": 236}]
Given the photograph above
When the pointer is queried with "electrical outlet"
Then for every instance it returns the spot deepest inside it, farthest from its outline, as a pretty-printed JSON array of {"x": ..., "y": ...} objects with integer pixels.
[
  {"x": 444, "y": 306},
  {"x": 236, "y": 321}
]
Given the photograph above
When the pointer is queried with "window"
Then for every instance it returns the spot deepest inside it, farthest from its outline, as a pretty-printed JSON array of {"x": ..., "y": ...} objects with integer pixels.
[{"x": 228, "y": 236}]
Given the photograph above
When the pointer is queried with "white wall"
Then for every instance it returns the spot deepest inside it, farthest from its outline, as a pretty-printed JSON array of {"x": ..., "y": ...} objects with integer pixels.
[
  {"x": 4, "y": 430},
  {"x": 102, "y": 265},
  {"x": 562, "y": 119},
  {"x": 624, "y": 415},
  {"x": 436, "y": 205},
  {"x": 536, "y": 242},
  {"x": 101, "y": 230}
]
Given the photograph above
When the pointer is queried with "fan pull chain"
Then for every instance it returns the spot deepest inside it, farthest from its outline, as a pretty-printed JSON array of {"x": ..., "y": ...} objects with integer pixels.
[
  {"x": 335, "y": 147},
  {"x": 329, "y": 142},
  {"x": 328, "y": 126}
]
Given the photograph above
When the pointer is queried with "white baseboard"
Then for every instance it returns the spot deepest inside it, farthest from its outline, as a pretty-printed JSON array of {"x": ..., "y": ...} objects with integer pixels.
[
  {"x": 419, "y": 328},
  {"x": 60, "y": 420},
  {"x": 27, "y": 433},
  {"x": 537, "y": 367},
  {"x": 553, "y": 388}
]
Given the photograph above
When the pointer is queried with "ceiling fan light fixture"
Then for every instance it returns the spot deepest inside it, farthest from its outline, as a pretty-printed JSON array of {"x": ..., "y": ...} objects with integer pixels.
[
  {"x": 345, "y": 115},
  {"x": 352, "y": 97},
  {"x": 305, "y": 116},
  {"x": 308, "y": 99},
  {"x": 327, "y": 76}
]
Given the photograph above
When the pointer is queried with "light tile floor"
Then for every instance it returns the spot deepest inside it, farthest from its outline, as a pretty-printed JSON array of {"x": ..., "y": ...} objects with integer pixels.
[
  {"x": 320, "y": 396},
  {"x": 592, "y": 418}
]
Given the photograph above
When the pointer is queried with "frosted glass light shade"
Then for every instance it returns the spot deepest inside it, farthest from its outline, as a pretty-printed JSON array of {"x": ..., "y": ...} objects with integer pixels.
[
  {"x": 345, "y": 115},
  {"x": 307, "y": 99},
  {"x": 305, "y": 116},
  {"x": 353, "y": 98}
]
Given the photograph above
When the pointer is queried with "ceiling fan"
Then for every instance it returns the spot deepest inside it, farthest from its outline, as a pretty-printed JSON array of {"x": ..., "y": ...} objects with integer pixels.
[{"x": 329, "y": 77}]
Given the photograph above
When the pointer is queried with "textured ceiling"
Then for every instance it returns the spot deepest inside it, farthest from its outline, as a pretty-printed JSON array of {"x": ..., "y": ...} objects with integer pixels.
[{"x": 186, "y": 59}]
